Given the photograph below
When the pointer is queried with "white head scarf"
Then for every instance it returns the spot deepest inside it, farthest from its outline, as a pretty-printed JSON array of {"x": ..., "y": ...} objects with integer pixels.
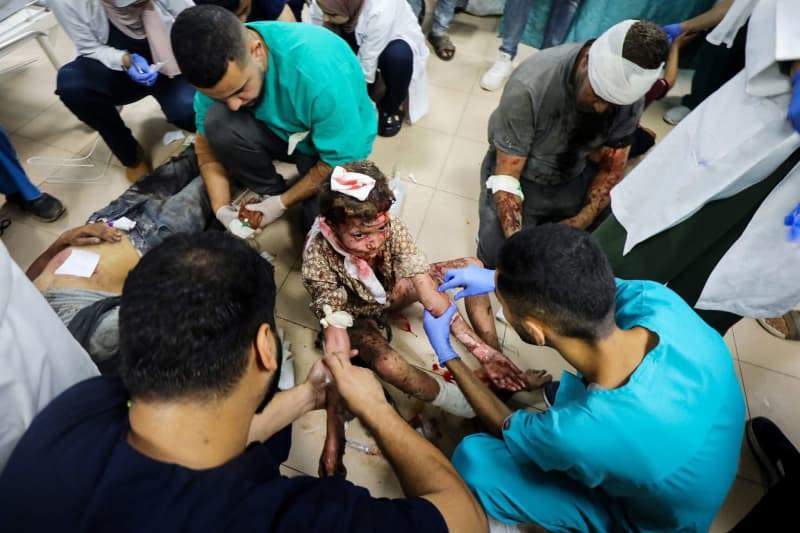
[{"x": 614, "y": 78}]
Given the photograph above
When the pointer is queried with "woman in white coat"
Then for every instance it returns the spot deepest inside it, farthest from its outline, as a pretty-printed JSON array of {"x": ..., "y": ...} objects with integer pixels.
[
  {"x": 386, "y": 36},
  {"x": 704, "y": 210}
]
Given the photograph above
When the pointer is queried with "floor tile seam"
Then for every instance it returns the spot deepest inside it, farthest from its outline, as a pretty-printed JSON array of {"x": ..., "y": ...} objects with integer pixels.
[{"x": 762, "y": 367}]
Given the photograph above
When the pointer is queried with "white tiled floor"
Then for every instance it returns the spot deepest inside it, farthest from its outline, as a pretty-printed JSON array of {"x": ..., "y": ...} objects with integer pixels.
[{"x": 443, "y": 152}]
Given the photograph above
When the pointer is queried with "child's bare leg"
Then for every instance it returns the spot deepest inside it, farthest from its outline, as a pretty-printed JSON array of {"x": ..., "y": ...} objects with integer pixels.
[
  {"x": 330, "y": 462},
  {"x": 392, "y": 368},
  {"x": 388, "y": 364}
]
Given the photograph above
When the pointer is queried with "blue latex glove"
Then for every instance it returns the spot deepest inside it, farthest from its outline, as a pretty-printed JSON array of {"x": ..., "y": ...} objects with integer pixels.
[
  {"x": 673, "y": 30},
  {"x": 475, "y": 280},
  {"x": 794, "y": 104},
  {"x": 438, "y": 332},
  {"x": 140, "y": 72},
  {"x": 793, "y": 221}
]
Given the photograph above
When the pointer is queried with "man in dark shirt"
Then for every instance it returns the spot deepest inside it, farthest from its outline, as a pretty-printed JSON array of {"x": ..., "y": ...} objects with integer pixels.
[
  {"x": 563, "y": 128},
  {"x": 173, "y": 443}
]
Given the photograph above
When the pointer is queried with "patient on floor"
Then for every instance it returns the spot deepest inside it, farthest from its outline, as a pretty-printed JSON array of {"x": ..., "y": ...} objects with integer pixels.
[
  {"x": 360, "y": 260},
  {"x": 172, "y": 199}
]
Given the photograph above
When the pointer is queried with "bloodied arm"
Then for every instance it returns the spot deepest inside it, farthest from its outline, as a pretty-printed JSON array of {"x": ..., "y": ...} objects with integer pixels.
[
  {"x": 502, "y": 371},
  {"x": 508, "y": 205},
  {"x": 598, "y": 196}
]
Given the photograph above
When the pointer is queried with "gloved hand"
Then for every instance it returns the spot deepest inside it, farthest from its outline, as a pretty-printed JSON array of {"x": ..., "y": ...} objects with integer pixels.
[
  {"x": 794, "y": 104},
  {"x": 438, "y": 332},
  {"x": 226, "y": 214},
  {"x": 673, "y": 30},
  {"x": 475, "y": 280},
  {"x": 271, "y": 207},
  {"x": 140, "y": 72}
]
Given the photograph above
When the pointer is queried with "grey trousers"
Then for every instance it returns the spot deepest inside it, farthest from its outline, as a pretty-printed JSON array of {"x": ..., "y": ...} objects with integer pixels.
[
  {"x": 247, "y": 148},
  {"x": 543, "y": 203}
]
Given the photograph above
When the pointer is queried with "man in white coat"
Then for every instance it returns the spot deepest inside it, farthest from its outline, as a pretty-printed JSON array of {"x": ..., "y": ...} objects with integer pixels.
[
  {"x": 704, "y": 211},
  {"x": 40, "y": 358}
]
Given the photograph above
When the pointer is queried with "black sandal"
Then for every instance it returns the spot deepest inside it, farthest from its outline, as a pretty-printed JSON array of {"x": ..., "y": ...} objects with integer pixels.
[
  {"x": 389, "y": 124},
  {"x": 443, "y": 46}
]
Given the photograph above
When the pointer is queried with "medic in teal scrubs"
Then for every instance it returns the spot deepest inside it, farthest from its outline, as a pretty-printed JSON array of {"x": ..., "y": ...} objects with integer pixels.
[{"x": 644, "y": 437}]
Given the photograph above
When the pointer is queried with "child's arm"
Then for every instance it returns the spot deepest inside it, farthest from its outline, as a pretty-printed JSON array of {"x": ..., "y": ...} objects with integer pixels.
[
  {"x": 502, "y": 371},
  {"x": 671, "y": 68}
]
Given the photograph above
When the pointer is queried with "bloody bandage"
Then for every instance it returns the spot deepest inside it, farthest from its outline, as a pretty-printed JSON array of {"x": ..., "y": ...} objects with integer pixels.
[{"x": 352, "y": 184}]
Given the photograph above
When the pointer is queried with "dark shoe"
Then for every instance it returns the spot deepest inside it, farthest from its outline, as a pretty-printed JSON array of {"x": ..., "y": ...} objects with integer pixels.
[
  {"x": 549, "y": 391},
  {"x": 774, "y": 452},
  {"x": 443, "y": 46},
  {"x": 389, "y": 124},
  {"x": 46, "y": 207}
]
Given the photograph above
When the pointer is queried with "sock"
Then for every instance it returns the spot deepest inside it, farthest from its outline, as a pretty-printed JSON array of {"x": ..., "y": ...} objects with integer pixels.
[{"x": 450, "y": 399}]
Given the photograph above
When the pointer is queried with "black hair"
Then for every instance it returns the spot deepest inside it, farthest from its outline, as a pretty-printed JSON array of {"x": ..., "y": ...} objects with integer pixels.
[
  {"x": 336, "y": 207},
  {"x": 205, "y": 39},
  {"x": 189, "y": 314},
  {"x": 559, "y": 275},
  {"x": 646, "y": 44},
  {"x": 230, "y": 5}
]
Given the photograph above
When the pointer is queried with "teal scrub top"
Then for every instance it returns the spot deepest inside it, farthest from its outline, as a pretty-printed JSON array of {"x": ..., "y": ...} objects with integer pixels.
[
  {"x": 665, "y": 446},
  {"x": 314, "y": 84}
]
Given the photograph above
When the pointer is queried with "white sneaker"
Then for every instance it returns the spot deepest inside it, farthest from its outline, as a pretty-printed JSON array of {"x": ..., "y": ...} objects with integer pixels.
[
  {"x": 676, "y": 114},
  {"x": 493, "y": 78}
]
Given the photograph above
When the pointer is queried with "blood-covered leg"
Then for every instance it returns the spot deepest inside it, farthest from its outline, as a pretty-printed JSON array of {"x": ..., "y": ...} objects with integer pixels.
[
  {"x": 392, "y": 368},
  {"x": 331, "y": 461}
]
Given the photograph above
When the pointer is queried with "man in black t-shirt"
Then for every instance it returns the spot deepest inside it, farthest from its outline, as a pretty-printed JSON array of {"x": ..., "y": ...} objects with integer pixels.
[{"x": 173, "y": 443}]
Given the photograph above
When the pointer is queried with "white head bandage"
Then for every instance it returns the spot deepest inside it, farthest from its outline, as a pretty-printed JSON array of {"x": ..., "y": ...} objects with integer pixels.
[
  {"x": 351, "y": 183},
  {"x": 614, "y": 78}
]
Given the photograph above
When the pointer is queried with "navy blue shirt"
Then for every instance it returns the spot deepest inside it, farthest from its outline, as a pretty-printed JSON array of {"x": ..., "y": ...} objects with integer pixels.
[{"x": 74, "y": 470}]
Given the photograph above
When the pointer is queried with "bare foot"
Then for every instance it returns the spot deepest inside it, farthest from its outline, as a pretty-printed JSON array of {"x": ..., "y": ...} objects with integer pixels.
[
  {"x": 536, "y": 379},
  {"x": 504, "y": 373}
]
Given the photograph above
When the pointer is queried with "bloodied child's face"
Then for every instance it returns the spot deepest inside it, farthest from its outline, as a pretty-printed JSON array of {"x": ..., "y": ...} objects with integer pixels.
[{"x": 364, "y": 239}]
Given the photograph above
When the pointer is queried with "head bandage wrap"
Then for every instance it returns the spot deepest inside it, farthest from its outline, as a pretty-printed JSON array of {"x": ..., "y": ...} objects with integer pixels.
[
  {"x": 351, "y": 183},
  {"x": 614, "y": 78}
]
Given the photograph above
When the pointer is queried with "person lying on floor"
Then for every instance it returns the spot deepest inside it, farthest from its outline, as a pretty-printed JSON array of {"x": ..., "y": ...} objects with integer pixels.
[
  {"x": 361, "y": 261},
  {"x": 171, "y": 199}
]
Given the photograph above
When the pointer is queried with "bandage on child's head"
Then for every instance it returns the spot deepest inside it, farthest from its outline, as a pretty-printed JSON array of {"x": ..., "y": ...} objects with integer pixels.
[{"x": 356, "y": 190}]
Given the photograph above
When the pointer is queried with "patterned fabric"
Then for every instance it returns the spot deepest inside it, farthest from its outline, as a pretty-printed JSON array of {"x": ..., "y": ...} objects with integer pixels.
[{"x": 325, "y": 277}]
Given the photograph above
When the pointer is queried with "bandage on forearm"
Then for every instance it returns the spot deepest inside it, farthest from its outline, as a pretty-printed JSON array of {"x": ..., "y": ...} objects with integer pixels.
[
  {"x": 336, "y": 319},
  {"x": 505, "y": 183}
]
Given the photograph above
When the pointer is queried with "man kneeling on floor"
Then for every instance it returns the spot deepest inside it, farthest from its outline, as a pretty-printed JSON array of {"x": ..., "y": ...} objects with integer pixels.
[
  {"x": 644, "y": 437},
  {"x": 165, "y": 448}
]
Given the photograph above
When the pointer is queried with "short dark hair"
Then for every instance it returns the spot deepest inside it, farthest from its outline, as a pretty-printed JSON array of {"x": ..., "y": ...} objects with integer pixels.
[
  {"x": 336, "y": 207},
  {"x": 189, "y": 313},
  {"x": 646, "y": 44},
  {"x": 230, "y": 5},
  {"x": 205, "y": 39},
  {"x": 559, "y": 275}
]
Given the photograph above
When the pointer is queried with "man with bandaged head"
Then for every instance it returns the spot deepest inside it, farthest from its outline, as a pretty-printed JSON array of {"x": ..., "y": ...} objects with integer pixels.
[{"x": 561, "y": 135}]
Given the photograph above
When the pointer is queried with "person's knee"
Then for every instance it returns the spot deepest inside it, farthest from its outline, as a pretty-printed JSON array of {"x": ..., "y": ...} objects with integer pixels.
[
  {"x": 389, "y": 366},
  {"x": 71, "y": 83},
  {"x": 470, "y": 459}
]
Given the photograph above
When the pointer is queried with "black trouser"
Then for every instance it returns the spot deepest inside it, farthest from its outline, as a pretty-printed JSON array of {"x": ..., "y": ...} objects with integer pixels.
[
  {"x": 396, "y": 64},
  {"x": 93, "y": 91},
  {"x": 247, "y": 148},
  {"x": 715, "y": 65}
]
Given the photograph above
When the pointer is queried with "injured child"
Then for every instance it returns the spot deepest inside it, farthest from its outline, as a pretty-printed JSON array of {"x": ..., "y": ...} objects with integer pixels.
[
  {"x": 360, "y": 263},
  {"x": 172, "y": 199}
]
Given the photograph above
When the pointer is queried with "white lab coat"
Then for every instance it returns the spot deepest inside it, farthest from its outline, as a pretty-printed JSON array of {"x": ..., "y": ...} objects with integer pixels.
[
  {"x": 735, "y": 138},
  {"x": 39, "y": 358},
  {"x": 383, "y": 21},
  {"x": 86, "y": 23}
]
